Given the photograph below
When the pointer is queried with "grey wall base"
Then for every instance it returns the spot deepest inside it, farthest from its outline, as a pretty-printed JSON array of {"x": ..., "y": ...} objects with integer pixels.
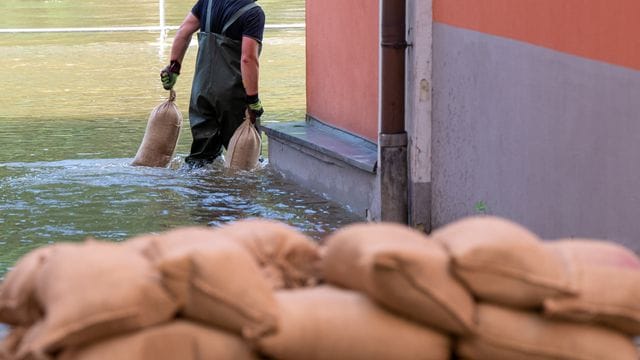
[
  {"x": 317, "y": 165},
  {"x": 544, "y": 138}
]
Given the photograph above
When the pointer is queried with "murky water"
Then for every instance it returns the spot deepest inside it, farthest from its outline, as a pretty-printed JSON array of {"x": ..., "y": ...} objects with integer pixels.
[{"x": 73, "y": 109}]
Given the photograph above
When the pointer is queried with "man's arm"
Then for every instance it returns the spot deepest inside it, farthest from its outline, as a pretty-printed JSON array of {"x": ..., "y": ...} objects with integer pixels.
[
  {"x": 250, "y": 69},
  {"x": 169, "y": 75},
  {"x": 250, "y": 65},
  {"x": 190, "y": 25}
]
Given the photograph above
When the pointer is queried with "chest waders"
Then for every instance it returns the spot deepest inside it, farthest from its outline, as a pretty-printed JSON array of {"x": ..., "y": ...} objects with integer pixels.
[{"x": 218, "y": 96}]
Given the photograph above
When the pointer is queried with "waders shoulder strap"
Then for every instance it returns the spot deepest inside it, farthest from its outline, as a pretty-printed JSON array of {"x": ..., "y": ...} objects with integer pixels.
[
  {"x": 207, "y": 25},
  {"x": 237, "y": 15}
]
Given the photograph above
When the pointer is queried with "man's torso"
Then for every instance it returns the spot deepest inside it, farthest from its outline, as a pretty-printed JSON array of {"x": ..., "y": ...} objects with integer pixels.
[{"x": 250, "y": 24}]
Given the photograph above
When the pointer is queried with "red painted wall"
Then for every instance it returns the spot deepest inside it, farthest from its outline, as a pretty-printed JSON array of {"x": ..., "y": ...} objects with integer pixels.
[
  {"x": 342, "y": 64},
  {"x": 603, "y": 30}
]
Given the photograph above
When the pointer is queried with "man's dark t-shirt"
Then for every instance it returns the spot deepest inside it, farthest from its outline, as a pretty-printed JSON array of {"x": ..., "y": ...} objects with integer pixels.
[{"x": 250, "y": 24}]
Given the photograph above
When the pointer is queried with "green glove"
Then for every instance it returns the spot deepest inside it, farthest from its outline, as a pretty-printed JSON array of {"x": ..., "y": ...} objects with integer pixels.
[
  {"x": 169, "y": 75},
  {"x": 254, "y": 105}
]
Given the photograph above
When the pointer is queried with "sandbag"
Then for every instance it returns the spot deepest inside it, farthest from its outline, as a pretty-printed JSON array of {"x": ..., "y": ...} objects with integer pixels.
[
  {"x": 402, "y": 269},
  {"x": 94, "y": 290},
  {"x": 244, "y": 147},
  {"x": 18, "y": 305},
  {"x": 502, "y": 262},
  {"x": 161, "y": 136},
  {"x": 326, "y": 323},
  {"x": 607, "y": 277},
  {"x": 343, "y": 264},
  {"x": 414, "y": 281},
  {"x": 215, "y": 280},
  {"x": 176, "y": 242},
  {"x": 141, "y": 244},
  {"x": 594, "y": 252},
  {"x": 176, "y": 340},
  {"x": 507, "y": 334},
  {"x": 288, "y": 258}
]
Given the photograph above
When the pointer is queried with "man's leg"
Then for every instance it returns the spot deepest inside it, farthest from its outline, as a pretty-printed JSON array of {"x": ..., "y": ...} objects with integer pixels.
[
  {"x": 205, "y": 131},
  {"x": 204, "y": 150}
]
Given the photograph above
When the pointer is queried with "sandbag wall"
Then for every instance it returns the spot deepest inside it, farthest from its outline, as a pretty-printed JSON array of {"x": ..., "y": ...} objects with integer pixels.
[{"x": 480, "y": 288}]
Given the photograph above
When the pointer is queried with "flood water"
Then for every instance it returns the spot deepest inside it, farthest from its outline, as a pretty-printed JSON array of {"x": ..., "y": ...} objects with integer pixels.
[{"x": 73, "y": 110}]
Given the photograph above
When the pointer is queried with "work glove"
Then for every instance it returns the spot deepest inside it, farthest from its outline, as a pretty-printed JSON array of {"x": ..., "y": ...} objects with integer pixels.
[
  {"x": 254, "y": 106},
  {"x": 169, "y": 75}
]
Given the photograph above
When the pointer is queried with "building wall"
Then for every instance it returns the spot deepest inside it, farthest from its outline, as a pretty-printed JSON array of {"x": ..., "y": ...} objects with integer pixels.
[
  {"x": 535, "y": 115},
  {"x": 342, "y": 64}
]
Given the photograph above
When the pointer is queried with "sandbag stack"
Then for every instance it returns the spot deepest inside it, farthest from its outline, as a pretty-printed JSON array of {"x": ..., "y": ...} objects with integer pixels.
[
  {"x": 480, "y": 288},
  {"x": 189, "y": 293},
  {"x": 543, "y": 300}
]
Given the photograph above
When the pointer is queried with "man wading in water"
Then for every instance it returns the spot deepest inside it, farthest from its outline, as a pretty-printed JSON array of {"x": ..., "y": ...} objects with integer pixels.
[{"x": 225, "y": 82}]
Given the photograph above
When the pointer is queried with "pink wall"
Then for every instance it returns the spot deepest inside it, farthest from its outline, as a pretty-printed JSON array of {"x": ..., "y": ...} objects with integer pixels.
[
  {"x": 342, "y": 64},
  {"x": 602, "y": 30}
]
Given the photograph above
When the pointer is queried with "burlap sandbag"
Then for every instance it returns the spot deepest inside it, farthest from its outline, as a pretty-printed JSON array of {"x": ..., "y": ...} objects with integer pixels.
[
  {"x": 326, "y": 323},
  {"x": 607, "y": 277},
  {"x": 593, "y": 252},
  {"x": 402, "y": 269},
  {"x": 414, "y": 280},
  {"x": 244, "y": 147},
  {"x": 176, "y": 242},
  {"x": 178, "y": 340},
  {"x": 506, "y": 334},
  {"x": 215, "y": 280},
  {"x": 288, "y": 258},
  {"x": 161, "y": 136},
  {"x": 503, "y": 262},
  {"x": 142, "y": 244},
  {"x": 18, "y": 305},
  {"x": 344, "y": 262},
  {"x": 94, "y": 290}
]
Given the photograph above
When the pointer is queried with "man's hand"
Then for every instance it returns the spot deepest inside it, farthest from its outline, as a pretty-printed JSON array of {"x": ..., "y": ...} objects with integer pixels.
[
  {"x": 169, "y": 75},
  {"x": 254, "y": 107}
]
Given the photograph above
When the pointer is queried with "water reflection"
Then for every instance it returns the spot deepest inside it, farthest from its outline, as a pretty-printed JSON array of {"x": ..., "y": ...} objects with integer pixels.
[{"x": 70, "y": 200}]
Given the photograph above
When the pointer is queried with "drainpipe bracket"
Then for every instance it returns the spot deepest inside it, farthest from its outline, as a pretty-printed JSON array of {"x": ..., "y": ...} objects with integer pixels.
[{"x": 393, "y": 140}]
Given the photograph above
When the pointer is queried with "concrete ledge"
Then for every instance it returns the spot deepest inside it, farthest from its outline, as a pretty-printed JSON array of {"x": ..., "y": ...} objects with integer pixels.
[
  {"x": 332, "y": 162},
  {"x": 327, "y": 140}
]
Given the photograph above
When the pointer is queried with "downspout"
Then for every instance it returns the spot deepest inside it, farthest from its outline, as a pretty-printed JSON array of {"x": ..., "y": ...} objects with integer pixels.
[{"x": 392, "y": 139}]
